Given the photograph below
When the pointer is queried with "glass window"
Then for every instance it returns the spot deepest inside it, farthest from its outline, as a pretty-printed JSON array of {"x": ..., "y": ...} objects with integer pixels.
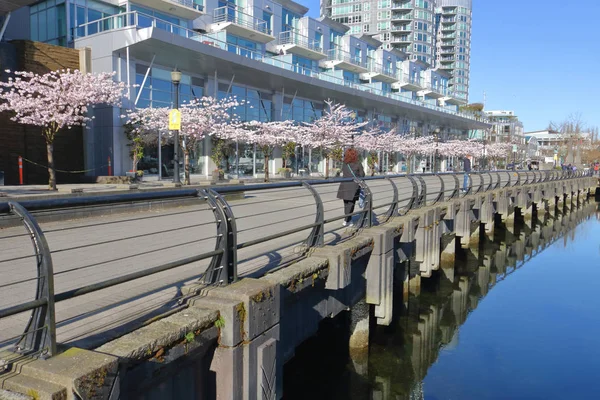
[{"x": 43, "y": 26}]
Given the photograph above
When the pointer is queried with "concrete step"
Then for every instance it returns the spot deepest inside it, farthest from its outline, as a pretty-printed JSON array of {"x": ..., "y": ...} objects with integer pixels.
[{"x": 34, "y": 388}]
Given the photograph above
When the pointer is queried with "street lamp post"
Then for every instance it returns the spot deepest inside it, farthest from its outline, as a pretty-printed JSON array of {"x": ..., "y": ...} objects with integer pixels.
[
  {"x": 435, "y": 138},
  {"x": 484, "y": 155},
  {"x": 176, "y": 79}
]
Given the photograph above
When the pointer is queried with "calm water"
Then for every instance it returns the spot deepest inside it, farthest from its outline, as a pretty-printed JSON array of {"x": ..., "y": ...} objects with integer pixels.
[{"x": 520, "y": 319}]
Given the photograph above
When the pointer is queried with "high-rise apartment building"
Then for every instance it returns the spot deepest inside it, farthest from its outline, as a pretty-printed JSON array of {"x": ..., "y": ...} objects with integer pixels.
[
  {"x": 453, "y": 43},
  {"x": 436, "y": 32}
]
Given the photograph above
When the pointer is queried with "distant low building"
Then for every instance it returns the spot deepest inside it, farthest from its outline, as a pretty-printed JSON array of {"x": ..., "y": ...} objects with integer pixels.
[
  {"x": 566, "y": 146},
  {"x": 506, "y": 127}
]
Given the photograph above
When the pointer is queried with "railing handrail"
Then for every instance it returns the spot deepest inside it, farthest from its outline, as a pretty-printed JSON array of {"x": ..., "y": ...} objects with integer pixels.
[
  {"x": 239, "y": 17},
  {"x": 293, "y": 37}
]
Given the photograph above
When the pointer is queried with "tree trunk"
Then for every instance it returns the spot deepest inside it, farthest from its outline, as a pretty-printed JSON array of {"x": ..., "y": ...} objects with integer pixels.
[
  {"x": 51, "y": 171},
  {"x": 134, "y": 163},
  {"x": 266, "y": 168},
  {"x": 186, "y": 163},
  {"x": 327, "y": 167}
]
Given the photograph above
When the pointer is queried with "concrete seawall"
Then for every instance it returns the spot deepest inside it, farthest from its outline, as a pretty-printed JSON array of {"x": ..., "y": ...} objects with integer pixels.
[{"x": 231, "y": 342}]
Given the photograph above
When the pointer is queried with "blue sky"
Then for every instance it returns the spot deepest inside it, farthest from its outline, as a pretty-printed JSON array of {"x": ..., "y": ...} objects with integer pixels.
[{"x": 535, "y": 57}]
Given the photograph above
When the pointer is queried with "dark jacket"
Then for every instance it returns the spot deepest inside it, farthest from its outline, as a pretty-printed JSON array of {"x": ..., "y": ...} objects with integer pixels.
[
  {"x": 467, "y": 165},
  {"x": 349, "y": 190}
]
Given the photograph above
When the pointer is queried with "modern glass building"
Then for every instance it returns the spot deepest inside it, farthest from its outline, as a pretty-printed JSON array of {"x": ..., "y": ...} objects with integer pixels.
[
  {"x": 435, "y": 32},
  {"x": 453, "y": 43},
  {"x": 282, "y": 63}
]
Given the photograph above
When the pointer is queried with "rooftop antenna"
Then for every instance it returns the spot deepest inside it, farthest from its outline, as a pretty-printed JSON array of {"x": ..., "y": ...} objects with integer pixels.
[{"x": 484, "y": 98}]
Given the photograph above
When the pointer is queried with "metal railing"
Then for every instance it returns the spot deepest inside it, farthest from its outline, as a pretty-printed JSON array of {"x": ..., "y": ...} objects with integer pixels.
[
  {"x": 237, "y": 16},
  {"x": 190, "y": 4},
  {"x": 385, "y": 197},
  {"x": 340, "y": 55},
  {"x": 292, "y": 37},
  {"x": 374, "y": 66}
]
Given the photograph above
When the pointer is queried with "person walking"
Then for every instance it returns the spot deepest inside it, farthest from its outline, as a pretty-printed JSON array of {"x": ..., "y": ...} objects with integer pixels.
[
  {"x": 467, "y": 169},
  {"x": 349, "y": 191},
  {"x": 596, "y": 168}
]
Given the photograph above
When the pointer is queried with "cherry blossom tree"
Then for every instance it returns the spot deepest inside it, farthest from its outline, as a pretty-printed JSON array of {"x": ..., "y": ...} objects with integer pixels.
[
  {"x": 143, "y": 126},
  {"x": 199, "y": 118},
  {"x": 411, "y": 147},
  {"x": 373, "y": 141},
  {"x": 334, "y": 129},
  {"x": 266, "y": 136},
  {"x": 57, "y": 100},
  {"x": 205, "y": 117}
]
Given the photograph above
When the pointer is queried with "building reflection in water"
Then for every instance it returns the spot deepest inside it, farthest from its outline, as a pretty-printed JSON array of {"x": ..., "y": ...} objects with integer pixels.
[{"x": 401, "y": 354}]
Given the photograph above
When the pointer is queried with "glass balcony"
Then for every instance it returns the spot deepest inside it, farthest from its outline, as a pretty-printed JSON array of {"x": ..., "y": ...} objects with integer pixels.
[
  {"x": 343, "y": 60},
  {"x": 406, "y": 5},
  {"x": 402, "y": 28},
  {"x": 295, "y": 43},
  {"x": 379, "y": 73},
  {"x": 234, "y": 20},
  {"x": 138, "y": 21},
  {"x": 402, "y": 17},
  {"x": 408, "y": 82},
  {"x": 188, "y": 9}
]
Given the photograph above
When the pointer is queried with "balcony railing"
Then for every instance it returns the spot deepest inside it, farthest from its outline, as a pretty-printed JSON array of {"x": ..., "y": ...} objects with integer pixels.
[
  {"x": 411, "y": 79},
  {"x": 139, "y": 20},
  {"x": 380, "y": 69},
  {"x": 190, "y": 4},
  {"x": 292, "y": 37},
  {"x": 402, "y": 17},
  {"x": 407, "y": 5},
  {"x": 340, "y": 55},
  {"x": 236, "y": 16}
]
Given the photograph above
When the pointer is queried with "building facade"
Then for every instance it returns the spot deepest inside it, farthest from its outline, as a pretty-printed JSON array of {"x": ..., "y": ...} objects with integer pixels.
[
  {"x": 435, "y": 32},
  {"x": 505, "y": 127},
  {"x": 282, "y": 63}
]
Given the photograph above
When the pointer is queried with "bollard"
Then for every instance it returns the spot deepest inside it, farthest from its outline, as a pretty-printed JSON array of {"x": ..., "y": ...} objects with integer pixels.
[
  {"x": 109, "y": 167},
  {"x": 20, "y": 170}
]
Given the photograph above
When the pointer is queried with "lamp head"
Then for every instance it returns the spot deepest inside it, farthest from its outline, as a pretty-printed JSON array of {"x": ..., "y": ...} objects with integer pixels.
[{"x": 175, "y": 76}]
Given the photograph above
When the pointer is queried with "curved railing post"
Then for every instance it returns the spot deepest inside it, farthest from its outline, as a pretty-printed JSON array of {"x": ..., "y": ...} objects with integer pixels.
[
  {"x": 442, "y": 190},
  {"x": 422, "y": 198},
  {"x": 491, "y": 185},
  {"x": 456, "y": 192},
  {"x": 36, "y": 338},
  {"x": 223, "y": 267},
  {"x": 481, "y": 182},
  {"x": 394, "y": 206},
  {"x": 366, "y": 217},
  {"x": 316, "y": 238},
  {"x": 470, "y": 187},
  {"x": 415, "y": 193}
]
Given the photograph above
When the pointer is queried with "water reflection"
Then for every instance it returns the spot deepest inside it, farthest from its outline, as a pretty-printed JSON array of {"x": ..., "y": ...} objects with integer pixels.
[{"x": 401, "y": 355}]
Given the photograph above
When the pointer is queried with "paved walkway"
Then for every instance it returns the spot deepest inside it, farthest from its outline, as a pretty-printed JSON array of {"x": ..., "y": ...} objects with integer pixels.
[{"x": 87, "y": 251}]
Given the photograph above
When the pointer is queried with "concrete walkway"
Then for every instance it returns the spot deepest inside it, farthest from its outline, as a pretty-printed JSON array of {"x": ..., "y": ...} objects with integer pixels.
[{"x": 92, "y": 250}]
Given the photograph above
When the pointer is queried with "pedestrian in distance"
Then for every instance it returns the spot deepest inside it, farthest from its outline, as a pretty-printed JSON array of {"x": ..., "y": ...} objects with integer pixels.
[
  {"x": 467, "y": 169},
  {"x": 349, "y": 191}
]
